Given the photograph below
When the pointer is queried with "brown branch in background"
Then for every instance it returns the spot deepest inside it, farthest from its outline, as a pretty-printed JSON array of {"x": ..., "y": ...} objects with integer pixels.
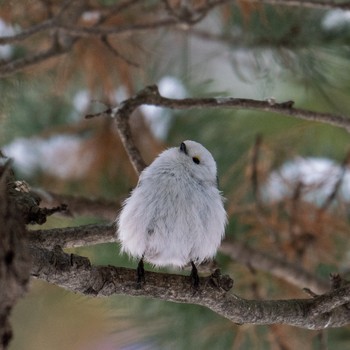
[
  {"x": 186, "y": 14},
  {"x": 69, "y": 12},
  {"x": 329, "y": 200},
  {"x": 277, "y": 267},
  {"x": 35, "y": 29},
  {"x": 296, "y": 233},
  {"x": 178, "y": 16},
  {"x": 115, "y": 9},
  {"x": 80, "y": 206},
  {"x": 255, "y": 169},
  {"x": 27, "y": 33},
  {"x": 19, "y": 64},
  {"x": 72, "y": 237},
  {"x": 115, "y": 52},
  {"x": 76, "y": 273},
  {"x": 64, "y": 26},
  {"x": 308, "y": 4},
  {"x": 85, "y": 32}
]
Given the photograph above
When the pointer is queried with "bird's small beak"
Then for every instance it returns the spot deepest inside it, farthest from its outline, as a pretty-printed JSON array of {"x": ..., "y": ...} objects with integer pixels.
[{"x": 183, "y": 148}]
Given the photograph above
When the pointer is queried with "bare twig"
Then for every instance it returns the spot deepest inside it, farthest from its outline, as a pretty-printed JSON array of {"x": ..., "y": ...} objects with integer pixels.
[
  {"x": 17, "y": 65},
  {"x": 329, "y": 200},
  {"x": 255, "y": 169},
  {"x": 151, "y": 96},
  {"x": 75, "y": 31},
  {"x": 116, "y": 9},
  {"x": 26, "y": 33},
  {"x": 110, "y": 47},
  {"x": 76, "y": 273}
]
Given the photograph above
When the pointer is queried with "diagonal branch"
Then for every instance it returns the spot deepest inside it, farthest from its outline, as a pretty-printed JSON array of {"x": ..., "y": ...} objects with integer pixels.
[
  {"x": 26, "y": 33},
  {"x": 280, "y": 268},
  {"x": 75, "y": 273},
  {"x": 19, "y": 64}
]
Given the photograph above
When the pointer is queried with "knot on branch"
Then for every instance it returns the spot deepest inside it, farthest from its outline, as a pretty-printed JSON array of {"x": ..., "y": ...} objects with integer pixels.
[
  {"x": 27, "y": 202},
  {"x": 224, "y": 282},
  {"x": 148, "y": 91}
]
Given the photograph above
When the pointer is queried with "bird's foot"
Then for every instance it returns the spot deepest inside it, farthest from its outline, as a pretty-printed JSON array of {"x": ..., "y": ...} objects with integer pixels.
[
  {"x": 140, "y": 274},
  {"x": 194, "y": 277}
]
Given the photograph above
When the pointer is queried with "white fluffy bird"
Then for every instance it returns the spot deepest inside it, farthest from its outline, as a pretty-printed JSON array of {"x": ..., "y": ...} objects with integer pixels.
[{"x": 175, "y": 215}]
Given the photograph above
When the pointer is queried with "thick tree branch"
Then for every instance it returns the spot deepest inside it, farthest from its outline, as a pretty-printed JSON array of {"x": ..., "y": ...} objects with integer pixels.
[
  {"x": 14, "y": 255},
  {"x": 94, "y": 234},
  {"x": 76, "y": 273},
  {"x": 151, "y": 96}
]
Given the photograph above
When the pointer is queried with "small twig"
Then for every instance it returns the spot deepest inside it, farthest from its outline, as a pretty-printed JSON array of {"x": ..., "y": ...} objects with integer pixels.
[
  {"x": 75, "y": 31},
  {"x": 309, "y": 292},
  {"x": 255, "y": 169},
  {"x": 26, "y": 33},
  {"x": 17, "y": 65},
  {"x": 337, "y": 185},
  {"x": 116, "y": 9},
  {"x": 110, "y": 47}
]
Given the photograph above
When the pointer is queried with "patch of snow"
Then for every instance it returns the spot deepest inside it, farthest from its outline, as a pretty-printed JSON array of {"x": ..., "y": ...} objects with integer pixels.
[
  {"x": 6, "y": 30},
  {"x": 91, "y": 16},
  {"x": 336, "y": 19},
  {"x": 61, "y": 156},
  {"x": 318, "y": 177},
  {"x": 82, "y": 100}
]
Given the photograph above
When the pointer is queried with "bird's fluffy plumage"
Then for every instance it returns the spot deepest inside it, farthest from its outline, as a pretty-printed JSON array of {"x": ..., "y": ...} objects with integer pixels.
[{"x": 175, "y": 214}]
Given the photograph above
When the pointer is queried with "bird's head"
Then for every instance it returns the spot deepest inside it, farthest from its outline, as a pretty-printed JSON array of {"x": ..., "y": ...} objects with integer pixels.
[{"x": 198, "y": 160}]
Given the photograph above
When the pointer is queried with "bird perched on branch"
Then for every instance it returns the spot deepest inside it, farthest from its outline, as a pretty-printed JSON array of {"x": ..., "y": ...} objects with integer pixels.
[{"x": 175, "y": 215}]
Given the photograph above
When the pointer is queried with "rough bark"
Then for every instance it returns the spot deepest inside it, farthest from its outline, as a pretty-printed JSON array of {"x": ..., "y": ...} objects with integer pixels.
[
  {"x": 76, "y": 273},
  {"x": 14, "y": 257}
]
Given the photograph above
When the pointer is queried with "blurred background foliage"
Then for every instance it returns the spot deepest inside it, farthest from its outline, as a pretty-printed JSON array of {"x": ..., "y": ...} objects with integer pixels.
[{"x": 240, "y": 49}]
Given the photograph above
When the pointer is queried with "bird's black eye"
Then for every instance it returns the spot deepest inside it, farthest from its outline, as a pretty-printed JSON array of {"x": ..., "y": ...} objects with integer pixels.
[{"x": 196, "y": 160}]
